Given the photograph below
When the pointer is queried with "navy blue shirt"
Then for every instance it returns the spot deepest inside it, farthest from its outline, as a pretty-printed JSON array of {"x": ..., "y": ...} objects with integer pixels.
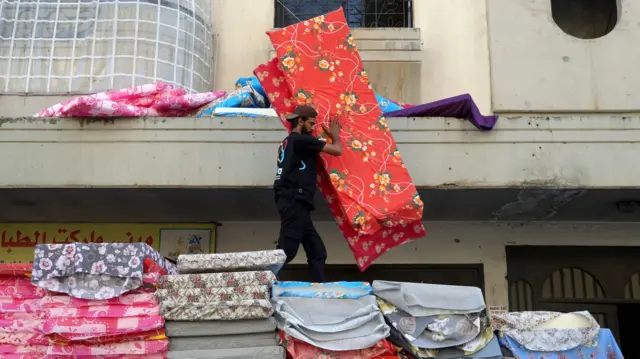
[{"x": 296, "y": 172}]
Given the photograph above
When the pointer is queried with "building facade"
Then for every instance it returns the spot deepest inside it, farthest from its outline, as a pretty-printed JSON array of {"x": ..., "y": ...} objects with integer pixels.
[{"x": 542, "y": 211}]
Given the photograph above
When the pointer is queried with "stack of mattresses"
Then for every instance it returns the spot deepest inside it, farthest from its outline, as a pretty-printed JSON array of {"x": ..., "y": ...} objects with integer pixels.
[
  {"x": 84, "y": 301},
  {"x": 437, "y": 321},
  {"x": 330, "y": 320},
  {"x": 219, "y": 307}
]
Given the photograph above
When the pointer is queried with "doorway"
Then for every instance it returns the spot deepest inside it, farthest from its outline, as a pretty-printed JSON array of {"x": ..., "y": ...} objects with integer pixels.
[{"x": 602, "y": 280}]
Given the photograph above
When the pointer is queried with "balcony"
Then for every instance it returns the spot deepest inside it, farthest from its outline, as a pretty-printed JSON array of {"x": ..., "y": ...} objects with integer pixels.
[{"x": 201, "y": 163}]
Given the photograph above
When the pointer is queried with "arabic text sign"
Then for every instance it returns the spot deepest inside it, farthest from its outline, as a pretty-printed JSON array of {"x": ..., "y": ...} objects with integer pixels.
[{"x": 19, "y": 239}]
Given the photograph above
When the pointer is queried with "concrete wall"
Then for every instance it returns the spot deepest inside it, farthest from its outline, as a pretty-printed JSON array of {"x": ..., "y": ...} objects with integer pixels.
[
  {"x": 455, "y": 53},
  {"x": 446, "y": 243},
  {"x": 537, "y": 67},
  {"x": 454, "y": 60},
  {"x": 547, "y": 152}
]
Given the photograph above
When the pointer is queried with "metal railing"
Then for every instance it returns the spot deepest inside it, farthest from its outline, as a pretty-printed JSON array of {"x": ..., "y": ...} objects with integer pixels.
[{"x": 359, "y": 13}]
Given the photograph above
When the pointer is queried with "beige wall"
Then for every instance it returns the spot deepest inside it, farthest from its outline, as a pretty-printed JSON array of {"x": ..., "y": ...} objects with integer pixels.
[
  {"x": 523, "y": 151},
  {"x": 455, "y": 53},
  {"x": 446, "y": 243},
  {"x": 537, "y": 67},
  {"x": 455, "y": 56},
  {"x": 241, "y": 42}
]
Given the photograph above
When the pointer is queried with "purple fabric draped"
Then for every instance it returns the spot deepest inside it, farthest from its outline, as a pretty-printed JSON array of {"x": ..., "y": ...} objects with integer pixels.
[{"x": 461, "y": 106}]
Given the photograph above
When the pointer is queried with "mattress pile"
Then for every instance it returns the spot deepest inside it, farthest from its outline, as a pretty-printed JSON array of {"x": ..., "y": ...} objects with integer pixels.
[
  {"x": 330, "y": 320},
  {"x": 84, "y": 301},
  {"x": 368, "y": 188},
  {"x": 554, "y": 335},
  {"x": 437, "y": 321},
  {"x": 219, "y": 307}
]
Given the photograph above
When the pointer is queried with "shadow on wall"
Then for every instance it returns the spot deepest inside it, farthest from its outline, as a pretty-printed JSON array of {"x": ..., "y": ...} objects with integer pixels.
[{"x": 586, "y": 19}]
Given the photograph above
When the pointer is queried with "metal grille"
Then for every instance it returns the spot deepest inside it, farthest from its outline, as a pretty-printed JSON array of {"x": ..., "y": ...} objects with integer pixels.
[
  {"x": 85, "y": 46},
  {"x": 359, "y": 13},
  {"x": 572, "y": 283},
  {"x": 520, "y": 296}
]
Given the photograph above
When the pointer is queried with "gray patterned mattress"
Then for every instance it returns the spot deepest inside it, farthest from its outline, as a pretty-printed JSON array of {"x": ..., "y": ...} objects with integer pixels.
[
  {"x": 228, "y": 327},
  {"x": 224, "y": 342},
  {"x": 273, "y": 352}
]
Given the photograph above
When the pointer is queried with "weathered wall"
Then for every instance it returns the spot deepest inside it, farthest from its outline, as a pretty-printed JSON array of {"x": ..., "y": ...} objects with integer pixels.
[
  {"x": 537, "y": 67},
  {"x": 446, "y": 243},
  {"x": 547, "y": 152}
]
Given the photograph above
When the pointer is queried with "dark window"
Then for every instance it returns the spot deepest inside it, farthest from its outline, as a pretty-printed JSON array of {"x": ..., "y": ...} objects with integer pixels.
[
  {"x": 359, "y": 13},
  {"x": 585, "y": 19}
]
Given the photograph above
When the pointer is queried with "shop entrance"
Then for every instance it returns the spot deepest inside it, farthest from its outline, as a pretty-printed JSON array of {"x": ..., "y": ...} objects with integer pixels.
[{"x": 602, "y": 280}]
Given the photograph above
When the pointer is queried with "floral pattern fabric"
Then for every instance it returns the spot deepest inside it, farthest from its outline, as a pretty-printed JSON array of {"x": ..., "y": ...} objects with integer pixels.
[
  {"x": 603, "y": 346},
  {"x": 427, "y": 335},
  {"x": 298, "y": 349},
  {"x": 336, "y": 290},
  {"x": 322, "y": 68},
  {"x": 157, "y": 334},
  {"x": 20, "y": 288},
  {"x": 387, "y": 105},
  {"x": 240, "y": 310},
  {"x": 79, "y": 329},
  {"x": 157, "y": 100},
  {"x": 10, "y": 270},
  {"x": 95, "y": 270},
  {"x": 221, "y": 294},
  {"x": 523, "y": 327},
  {"x": 216, "y": 280},
  {"x": 232, "y": 262},
  {"x": 366, "y": 247},
  {"x": 245, "y": 97}
]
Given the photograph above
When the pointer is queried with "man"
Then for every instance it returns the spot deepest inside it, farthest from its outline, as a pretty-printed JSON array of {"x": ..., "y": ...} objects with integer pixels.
[{"x": 295, "y": 187}]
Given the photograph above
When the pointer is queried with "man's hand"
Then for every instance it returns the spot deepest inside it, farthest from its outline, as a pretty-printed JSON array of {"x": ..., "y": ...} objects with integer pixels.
[
  {"x": 334, "y": 130},
  {"x": 335, "y": 147}
]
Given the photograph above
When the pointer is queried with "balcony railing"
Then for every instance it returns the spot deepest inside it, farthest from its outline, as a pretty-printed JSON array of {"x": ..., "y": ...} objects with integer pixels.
[{"x": 359, "y": 13}]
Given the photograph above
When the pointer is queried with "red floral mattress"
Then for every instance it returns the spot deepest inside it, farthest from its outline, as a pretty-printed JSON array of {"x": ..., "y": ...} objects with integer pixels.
[{"x": 368, "y": 188}]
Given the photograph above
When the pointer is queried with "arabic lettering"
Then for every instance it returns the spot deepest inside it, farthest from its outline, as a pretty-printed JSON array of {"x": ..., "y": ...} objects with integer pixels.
[{"x": 18, "y": 239}]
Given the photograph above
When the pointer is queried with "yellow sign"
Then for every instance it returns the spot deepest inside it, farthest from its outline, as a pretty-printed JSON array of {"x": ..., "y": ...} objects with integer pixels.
[{"x": 171, "y": 240}]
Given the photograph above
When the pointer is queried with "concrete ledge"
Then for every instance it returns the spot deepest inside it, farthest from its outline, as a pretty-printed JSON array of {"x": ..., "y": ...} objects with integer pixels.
[{"x": 526, "y": 151}]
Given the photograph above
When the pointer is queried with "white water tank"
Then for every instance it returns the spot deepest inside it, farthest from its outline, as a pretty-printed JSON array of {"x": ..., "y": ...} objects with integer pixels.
[{"x": 85, "y": 46}]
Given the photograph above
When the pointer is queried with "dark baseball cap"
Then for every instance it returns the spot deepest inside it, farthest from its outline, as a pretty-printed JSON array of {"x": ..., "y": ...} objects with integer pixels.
[{"x": 302, "y": 111}]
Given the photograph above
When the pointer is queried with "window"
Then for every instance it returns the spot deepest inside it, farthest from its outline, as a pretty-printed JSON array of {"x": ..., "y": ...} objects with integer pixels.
[
  {"x": 359, "y": 13},
  {"x": 586, "y": 19}
]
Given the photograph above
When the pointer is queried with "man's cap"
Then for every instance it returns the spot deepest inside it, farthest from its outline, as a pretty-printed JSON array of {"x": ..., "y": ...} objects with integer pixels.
[{"x": 302, "y": 111}]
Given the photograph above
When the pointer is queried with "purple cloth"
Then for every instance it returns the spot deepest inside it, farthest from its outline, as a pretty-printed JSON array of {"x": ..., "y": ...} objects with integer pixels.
[{"x": 459, "y": 106}]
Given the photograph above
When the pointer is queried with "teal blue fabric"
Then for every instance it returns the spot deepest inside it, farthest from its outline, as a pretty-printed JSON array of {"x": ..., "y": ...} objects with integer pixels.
[
  {"x": 386, "y": 105},
  {"x": 335, "y": 290}
]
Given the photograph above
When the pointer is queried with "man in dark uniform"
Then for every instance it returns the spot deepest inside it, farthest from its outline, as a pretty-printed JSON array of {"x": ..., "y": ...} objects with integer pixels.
[{"x": 295, "y": 187}]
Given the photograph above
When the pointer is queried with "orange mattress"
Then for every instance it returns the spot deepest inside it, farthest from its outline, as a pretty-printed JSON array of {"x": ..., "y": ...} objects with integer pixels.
[{"x": 368, "y": 188}]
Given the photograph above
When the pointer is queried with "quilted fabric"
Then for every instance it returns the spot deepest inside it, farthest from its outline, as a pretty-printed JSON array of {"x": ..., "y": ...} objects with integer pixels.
[
  {"x": 368, "y": 189},
  {"x": 271, "y": 260},
  {"x": 240, "y": 310},
  {"x": 222, "y": 294},
  {"x": 215, "y": 280}
]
